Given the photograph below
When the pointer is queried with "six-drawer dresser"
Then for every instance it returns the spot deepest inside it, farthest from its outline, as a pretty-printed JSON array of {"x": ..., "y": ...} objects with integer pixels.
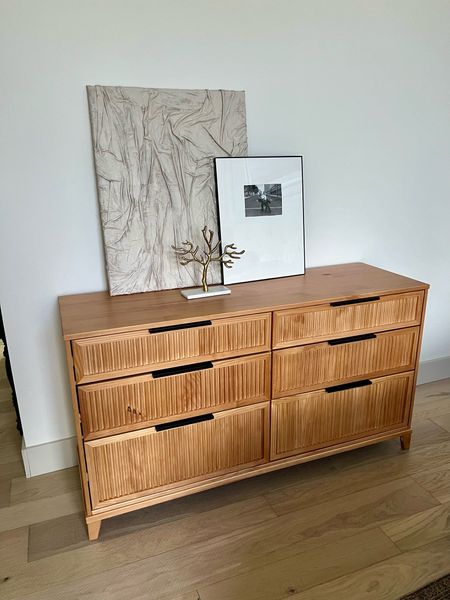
[{"x": 172, "y": 397}]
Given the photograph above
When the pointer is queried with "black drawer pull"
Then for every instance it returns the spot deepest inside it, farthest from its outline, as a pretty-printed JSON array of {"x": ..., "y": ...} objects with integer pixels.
[
  {"x": 348, "y": 386},
  {"x": 355, "y": 301},
  {"x": 349, "y": 340},
  {"x": 179, "y": 326},
  {"x": 182, "y": 369},
  {"x": 183, "y": 422}
]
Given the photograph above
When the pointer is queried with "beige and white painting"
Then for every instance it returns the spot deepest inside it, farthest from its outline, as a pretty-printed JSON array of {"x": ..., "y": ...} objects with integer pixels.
[{"x": 154, "y": 153}]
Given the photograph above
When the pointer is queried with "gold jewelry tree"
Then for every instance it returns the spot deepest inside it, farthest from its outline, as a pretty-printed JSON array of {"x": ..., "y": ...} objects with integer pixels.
[{"x": 189, "y": 254}]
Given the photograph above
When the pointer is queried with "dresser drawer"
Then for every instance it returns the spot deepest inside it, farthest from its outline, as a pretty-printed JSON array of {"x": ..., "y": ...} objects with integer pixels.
[
  {"x": 136, "y": 402},
  {"x": 341, "y": 319},
  {"x": 142, "y": 351},
  {"x": 132, "y": 465},
  {"x": 319, "y": 419},
  {"x": 315, "y": 366}
]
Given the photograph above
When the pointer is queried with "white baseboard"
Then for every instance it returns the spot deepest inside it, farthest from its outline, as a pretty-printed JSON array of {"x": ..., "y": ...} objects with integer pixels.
[
  {"x": 433, "y": 370},
  {"x": 62, "y": 454},
  {"x": 49, "y": 457}
]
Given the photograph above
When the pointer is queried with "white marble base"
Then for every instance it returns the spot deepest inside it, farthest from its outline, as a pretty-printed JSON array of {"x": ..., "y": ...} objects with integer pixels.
[{"x": 214, "y": 290}]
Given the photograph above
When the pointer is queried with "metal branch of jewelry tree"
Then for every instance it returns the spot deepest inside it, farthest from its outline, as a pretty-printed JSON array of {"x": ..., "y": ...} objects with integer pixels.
[{"x": 189, "y": 254}]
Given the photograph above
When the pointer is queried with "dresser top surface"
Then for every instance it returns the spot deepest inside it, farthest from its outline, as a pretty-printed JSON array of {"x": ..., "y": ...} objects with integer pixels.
[{"x": 98, "y": 313}]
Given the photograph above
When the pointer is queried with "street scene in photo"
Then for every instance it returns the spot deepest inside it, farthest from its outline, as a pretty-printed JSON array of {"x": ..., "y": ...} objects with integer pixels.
[{"x": 263, "y": 200}]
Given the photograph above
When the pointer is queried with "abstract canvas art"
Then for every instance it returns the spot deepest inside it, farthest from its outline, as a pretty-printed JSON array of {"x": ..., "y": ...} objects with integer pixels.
[{"x": 154, "y": 153}]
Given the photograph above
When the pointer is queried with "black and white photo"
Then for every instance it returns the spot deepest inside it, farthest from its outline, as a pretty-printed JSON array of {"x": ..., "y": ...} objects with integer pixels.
[{"x": 263, "y": 199}]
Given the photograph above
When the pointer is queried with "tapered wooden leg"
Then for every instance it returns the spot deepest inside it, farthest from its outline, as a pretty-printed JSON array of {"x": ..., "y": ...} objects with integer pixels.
[
  {"x": 405, "y": 440},
  {"x": 93, "y": 529}
]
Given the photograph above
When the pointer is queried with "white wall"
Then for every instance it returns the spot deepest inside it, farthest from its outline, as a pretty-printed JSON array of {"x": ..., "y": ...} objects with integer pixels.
[{"x": 360, "y": 88}]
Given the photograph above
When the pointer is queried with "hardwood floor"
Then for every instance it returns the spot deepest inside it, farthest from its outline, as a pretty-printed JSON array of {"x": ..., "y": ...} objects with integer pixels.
[{"x": 370, "y": 524}]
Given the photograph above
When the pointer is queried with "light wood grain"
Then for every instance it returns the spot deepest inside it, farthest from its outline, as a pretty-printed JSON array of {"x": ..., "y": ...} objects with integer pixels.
[
  {"x": 8, "y": 433},
  {"x": 436, "y": 481},
  {"x": 130, "y": 353},
  {"x": 78, "y": 431},
  {"x": 90, "y": 314},
  {"x": 319, "y": 419},
  {"x": 93, "y": 529},
  {"x": 12, "y": 469},
  {"x": 19, "y": 515},
  {"x": 13, "y": 551},
  {"x": 131, "y": 465},
  {"x": 171, "y": 573},
  {"x": 7, "y": 419},
  {"x": 427, "y": 432},
  {"x": 428, "y": 392},
  {"x": 361, "y": 469},
  {"x": 44, "y": 486},
  {"x": 405, "y": 440},
  {"x": 137, "y": 402},
  {"x": 10, "y": 450},
  {"x": 57, "y": 535},
  {"x": 389, "y": 579},
  {"x": 419, "y": 459},
  {"x": 443, "y": 420},
  {"x": 316, "y": 323},
  {"x": 5, "y": 486},
  {"x": 213, "y": 481},
  {"x": 187, "y": 596},
  {"x": 315, "y": 366},
  {"x": 433, "y": 401},
  {"x": 94, "y": 560},
  {"x": 283, "y": 578},
  {"x": 350, "y": 494},
  {"x": 421, "y": 528}
]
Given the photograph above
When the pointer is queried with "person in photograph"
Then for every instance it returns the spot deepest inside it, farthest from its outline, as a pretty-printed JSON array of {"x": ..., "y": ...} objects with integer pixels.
[{"x": 265, "y": 201}]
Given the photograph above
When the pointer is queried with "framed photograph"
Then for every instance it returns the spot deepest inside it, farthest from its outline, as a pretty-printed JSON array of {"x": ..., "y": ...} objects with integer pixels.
[{"x": 261, "y": 211}]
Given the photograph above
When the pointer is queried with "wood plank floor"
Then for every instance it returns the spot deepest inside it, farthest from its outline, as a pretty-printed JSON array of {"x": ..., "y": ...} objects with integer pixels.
[{"x": 370, "y": 524}]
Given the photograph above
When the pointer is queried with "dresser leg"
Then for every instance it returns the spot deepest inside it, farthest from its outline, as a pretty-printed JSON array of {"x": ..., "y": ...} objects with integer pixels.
[
  {"x": 93, "y": 529},
  {"x": 405, "y": 440}
]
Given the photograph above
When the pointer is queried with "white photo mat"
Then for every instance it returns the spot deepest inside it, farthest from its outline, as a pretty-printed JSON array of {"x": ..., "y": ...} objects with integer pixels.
[{"x": 261, "y": 211}]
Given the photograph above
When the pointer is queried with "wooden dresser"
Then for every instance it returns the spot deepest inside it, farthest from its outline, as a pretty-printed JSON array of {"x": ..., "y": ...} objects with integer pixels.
[{"x": 172, "y": 397}]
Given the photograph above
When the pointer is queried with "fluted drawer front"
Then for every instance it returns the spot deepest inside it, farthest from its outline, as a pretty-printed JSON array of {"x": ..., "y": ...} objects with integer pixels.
[
  {"x": 315, "y": 366},
  {"x": 315, "y": 323},
  {"x": 320, "y": 419},
  {"x": 141, "y": 351},
  {"x": 136, "y": 402},
  {"x": 132, "y": 465}
]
